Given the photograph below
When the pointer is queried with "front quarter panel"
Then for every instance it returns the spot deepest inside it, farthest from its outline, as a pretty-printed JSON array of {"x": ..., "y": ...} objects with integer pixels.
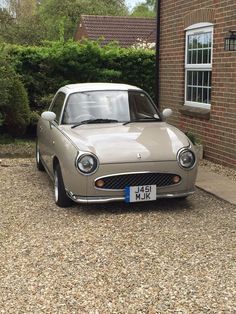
[{"x": 66, "y": 152}]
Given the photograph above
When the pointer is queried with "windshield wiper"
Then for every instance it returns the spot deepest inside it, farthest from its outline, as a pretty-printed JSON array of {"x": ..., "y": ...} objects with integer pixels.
[
  {"x": 143, "y": 120},
  {"x": 91, "y": 121}
]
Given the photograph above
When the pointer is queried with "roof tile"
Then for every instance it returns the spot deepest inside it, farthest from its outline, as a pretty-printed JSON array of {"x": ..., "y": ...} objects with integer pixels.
[{"x": 125, "y": 30}]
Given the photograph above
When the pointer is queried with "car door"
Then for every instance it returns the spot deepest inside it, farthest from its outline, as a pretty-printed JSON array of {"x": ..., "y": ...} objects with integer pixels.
[{"x": 51, "y": 128}]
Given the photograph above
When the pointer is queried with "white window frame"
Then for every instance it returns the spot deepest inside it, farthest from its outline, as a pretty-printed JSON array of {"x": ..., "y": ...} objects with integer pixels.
[{"x": 198, "y": 28}]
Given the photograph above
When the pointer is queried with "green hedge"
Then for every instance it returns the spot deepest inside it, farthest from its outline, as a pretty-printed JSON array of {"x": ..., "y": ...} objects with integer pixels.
[
  {"x": 14, "y": 105},
  {"x": 45, "y": 69}
]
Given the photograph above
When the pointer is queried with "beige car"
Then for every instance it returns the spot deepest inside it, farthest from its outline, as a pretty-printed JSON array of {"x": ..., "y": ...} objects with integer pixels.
[{"x": 103, "y": 142}]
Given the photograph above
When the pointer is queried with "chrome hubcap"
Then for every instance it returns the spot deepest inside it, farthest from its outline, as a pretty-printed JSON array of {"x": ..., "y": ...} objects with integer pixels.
[
  {"x": 56, "y": 186},
  {"x": 37, "y": 155}
]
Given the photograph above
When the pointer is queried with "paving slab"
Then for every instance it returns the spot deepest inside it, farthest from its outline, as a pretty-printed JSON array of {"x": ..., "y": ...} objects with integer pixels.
[{"x": 218, "y": 185}]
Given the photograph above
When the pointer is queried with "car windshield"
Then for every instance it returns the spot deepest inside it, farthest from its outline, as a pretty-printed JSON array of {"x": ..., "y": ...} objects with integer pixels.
[{"x": 105, "y": 106}]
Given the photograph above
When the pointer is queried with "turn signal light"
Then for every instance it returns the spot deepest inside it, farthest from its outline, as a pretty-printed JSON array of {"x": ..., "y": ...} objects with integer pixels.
[
  {"x": 100, "y": 183},
  {"x": 176, "y": 179}
]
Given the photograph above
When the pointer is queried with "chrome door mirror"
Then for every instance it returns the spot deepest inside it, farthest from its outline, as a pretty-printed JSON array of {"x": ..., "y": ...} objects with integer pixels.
[
  {"x": 48, "y": 116},
  {"x": 166, "y": 113}
]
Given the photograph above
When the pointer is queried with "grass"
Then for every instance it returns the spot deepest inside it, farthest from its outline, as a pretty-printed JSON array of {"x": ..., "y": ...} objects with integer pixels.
[
  {"x": 16, "y": 147},
  {"x": 6, "y": 139}
]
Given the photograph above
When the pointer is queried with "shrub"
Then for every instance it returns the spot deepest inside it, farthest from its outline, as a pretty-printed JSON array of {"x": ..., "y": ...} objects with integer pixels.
[
  {"x": 14, "y": 106},
  {"x": 45, "y": 69},
  {"x": 193, "y": 138},
  {"x": 32, "y": 127}
]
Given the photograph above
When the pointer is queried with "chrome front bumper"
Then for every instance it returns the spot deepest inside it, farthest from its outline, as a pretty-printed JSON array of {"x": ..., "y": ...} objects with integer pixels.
[{"x": 107, "y": 199}]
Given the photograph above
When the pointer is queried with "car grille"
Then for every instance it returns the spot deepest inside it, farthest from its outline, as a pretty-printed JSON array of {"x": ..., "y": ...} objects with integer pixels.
[{"x": 119, "y": 182}]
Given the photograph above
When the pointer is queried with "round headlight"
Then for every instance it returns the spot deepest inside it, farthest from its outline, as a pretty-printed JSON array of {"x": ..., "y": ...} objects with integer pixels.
[
  {"x": 87, "y": 164},
  {"x": 186, "y": 159}
]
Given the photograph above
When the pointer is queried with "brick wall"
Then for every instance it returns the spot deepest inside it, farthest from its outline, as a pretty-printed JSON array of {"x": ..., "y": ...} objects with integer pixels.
[
  {"x": 80, "y": 31},
  {"x": 218, "y": 133}
]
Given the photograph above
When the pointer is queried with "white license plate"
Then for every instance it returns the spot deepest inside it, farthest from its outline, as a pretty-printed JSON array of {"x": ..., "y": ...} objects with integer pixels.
[{"x": 142, "y": 193}]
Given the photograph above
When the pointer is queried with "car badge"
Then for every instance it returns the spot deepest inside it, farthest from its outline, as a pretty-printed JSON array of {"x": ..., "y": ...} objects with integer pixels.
[{"x": 139, "y": 156}]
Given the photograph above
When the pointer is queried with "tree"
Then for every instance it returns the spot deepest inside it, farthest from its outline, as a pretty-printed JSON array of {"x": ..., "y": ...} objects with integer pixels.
[
  {"x": 6, "y": 22},
  {"x": 31, "y": 21},
  {"x": 145, "y": 9},
  {"x": 20, "y": 22},
  {"x": 21, "y": 9},
  {"x": 61, "y": 16}
]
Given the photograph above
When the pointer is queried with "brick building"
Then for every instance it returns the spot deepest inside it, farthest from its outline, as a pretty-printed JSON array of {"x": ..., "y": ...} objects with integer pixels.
[
  {"x": 197, "y": 76},
  {"x": 125, "y": 30}
]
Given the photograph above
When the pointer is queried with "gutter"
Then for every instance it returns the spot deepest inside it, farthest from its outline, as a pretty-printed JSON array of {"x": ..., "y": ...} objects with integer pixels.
[{"x": 157, "y": 72}]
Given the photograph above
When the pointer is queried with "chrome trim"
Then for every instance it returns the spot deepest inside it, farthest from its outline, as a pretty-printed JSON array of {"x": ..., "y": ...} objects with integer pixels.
[
  {"x": 37, "y": 154},
  {"x": 107, "y": 199},
  {"x": 178, "y": 156},
  {"x": 127, "y": 173},
  {"x": 138, "y": 161},
  {"x": 56, "y": 191},
  {"x": 80, "y": 154}
]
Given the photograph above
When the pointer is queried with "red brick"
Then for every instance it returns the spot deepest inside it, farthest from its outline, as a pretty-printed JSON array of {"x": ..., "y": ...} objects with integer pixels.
[{"x": 219, "y": 133}]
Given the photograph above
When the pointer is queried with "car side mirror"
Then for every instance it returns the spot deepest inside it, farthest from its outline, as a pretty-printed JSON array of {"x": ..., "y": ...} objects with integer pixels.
[
  {"x": 48, "y": 116},
  {"x": 166, "y": 113}
]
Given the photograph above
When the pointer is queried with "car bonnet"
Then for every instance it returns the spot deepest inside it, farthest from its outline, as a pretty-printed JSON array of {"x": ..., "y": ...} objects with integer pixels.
[{"x": 135, "y": 142}]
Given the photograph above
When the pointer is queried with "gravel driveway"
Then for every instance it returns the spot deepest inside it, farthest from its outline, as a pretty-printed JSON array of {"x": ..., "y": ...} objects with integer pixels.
[{"x": 163, "y": 257}]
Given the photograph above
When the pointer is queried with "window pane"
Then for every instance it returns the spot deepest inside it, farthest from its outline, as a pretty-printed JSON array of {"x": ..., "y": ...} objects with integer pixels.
[
  {"x": 200, "y": 74},
  {"x": 189, "y": 78},
  {"x": 204, "y": 100},
  {"x": 189, "y": 93},
  {"x": 200, "y": 41},
  {"x": 199, "y": 95},
  {"x": 194, "y": 59},
  {"x": 209, "y": 56},
  {"x": 209, "y": 82},
  {"x": 205, "y": 44},
  {"x": 190, "y": 57},
  {"x": 199, "y": 56},
  {"x": 194, "y": 94},
  {"x": 205, "y": 78},
  {"x": 195, "y": 78},
  {"x": 195, "y": 41},
  {"x": 190, "y": 42},
  {"x": 205, "y": 54},
  {"x": 209, "y": 39}
]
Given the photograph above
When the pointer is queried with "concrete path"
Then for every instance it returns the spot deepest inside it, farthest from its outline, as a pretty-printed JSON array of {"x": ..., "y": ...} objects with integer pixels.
[{"x": 218, "y": 185}]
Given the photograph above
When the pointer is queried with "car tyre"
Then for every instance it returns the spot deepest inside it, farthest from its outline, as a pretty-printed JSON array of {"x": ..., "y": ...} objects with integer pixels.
[
  {"x": 61, "y": 198},
  {"x": 39, "y": 163}
]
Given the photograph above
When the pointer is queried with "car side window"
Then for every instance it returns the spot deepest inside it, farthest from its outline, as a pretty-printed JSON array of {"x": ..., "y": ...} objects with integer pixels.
[
  {"x": 140, "y": 106},
  {"x": 58, "y": 104}
]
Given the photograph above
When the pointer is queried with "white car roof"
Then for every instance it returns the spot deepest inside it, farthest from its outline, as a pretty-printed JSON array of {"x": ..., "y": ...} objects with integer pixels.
[{"x": 82, "y": 87}]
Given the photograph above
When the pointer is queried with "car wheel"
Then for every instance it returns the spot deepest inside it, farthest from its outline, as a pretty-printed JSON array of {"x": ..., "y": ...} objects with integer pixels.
[
  {"x": 38, "y": 159},
  {"x": 61, "y": 198}
]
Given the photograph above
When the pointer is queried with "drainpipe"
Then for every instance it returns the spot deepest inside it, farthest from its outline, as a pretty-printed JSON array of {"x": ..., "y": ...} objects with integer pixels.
[{"x": 158, "y": 29}]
